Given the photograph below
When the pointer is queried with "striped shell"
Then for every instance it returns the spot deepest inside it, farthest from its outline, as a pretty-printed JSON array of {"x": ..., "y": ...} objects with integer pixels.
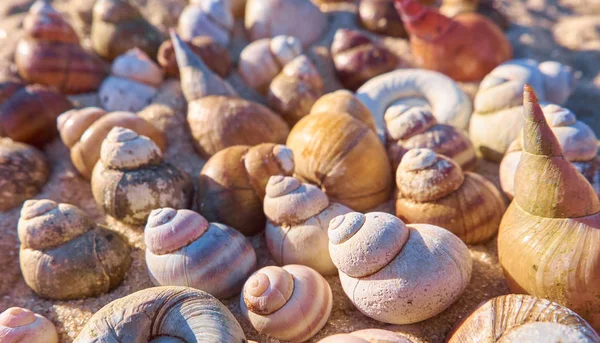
[
  {"x": 183, "y": 249},
  {"x": 433, "y": 189},
  {"x": 367, "y": 336},
  {"x": 21, "y": 325},
  {"x": 290, "y": 303}
]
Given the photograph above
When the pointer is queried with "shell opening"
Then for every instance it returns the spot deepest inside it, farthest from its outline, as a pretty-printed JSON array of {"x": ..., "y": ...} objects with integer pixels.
[
  {"x": 268, "y": 290},
  {"x": 344, "y": 227}
]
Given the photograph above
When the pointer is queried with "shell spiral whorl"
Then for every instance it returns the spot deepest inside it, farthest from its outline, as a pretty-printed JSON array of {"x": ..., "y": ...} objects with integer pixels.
[
  {"x": 21, "y": 325},
  {"x": 290, "y": 201},
  {"x": 125, "y": 149}
]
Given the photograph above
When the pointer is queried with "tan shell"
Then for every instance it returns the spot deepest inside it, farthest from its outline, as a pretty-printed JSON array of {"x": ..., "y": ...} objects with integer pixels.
[
  {"x": 346, "y": 102},
  {"x": 65, "y": 256},
  {"x": 216, "y": 56},
  {"x": 367, "y": 336},
  {"x": 376, "y": 255},
  {"x": 210, "y": 18},
  {"x": 433, "y": 189},
  {"x": 21, "y": 325},
  {"x": 290, "y": 303}
]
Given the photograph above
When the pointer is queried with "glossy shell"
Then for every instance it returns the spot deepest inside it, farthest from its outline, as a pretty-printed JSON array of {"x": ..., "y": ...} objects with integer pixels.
[
  {"x": 380, "y": 16},
  {"x": 21, "y": 325},
  {"x": 346, "y": 102}
]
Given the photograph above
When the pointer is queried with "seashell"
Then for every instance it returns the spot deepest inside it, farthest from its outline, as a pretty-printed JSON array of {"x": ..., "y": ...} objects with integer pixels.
[
  {"x": 183, "y": 249},
  {"x": 487, "y": 8},
  {"x": 433, "y": 189},
  {"x": 212, "y": 18},
  {"x": 50, "y": 53},
  {"x": 416, "y": 87},
  {"x": 270, "y": 18},
  {"x": 381, "y": 17},
  {"x": 547, "y": 238},
  {"x": 522, "y": 318},
  {"x": 577, "y": 140},
  {"x": 294, "y": 91},
  {"x": 343, "y": 156},
  {"x": 376, "y": 255},
  {"x": 21, "y": 325},
  {"x": 163, "y": 314},
  {"x": 499, "y": 100},
  {"x": 263, "y": 59},
  {"x": 346, "y": 102},
  {"x": 65, "y": 256},
  {"x": 215, "y": 55},
  {"x": 299, "y": 215},
  {"x": 118, "y": 26},
  {"x": 134, "y": 81},
  {"x": 367, "y": 336},
  {"x": 290, "y": 303},
  {"x": 232, "y": 184},
  {"x": 465, "y": 47},
  {"x": 83, "y": 131},
  {"x": 28, "y": 113},
  {"x": 24, "y": 171},
  {"x": 131, "y": 178},
  {"x": 357, "y": 58},
  {"x": 416, "y": 127}
]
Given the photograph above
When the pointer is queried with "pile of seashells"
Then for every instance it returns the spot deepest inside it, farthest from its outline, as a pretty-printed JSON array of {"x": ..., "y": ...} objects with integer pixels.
[{"x": 306, "y": 165}]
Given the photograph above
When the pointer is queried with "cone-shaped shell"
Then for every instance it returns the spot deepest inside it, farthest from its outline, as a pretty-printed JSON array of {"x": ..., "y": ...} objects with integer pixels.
[
  {"x": 163, "y": 313},
  {"x": 344, "y": 101},
  {"x": 182, "y": 249},
  {"x": 377, "y": 254},
  {"x": 21, "y": 325},
  {"x": 216, "y": 56},
  {"x": 522, "y": 318},
  {"x": 65, "y": 256},
  {"x": 367, "y": 336},
  {"x": 212, "y": 18},
  {"x": 287, "y": 310}
]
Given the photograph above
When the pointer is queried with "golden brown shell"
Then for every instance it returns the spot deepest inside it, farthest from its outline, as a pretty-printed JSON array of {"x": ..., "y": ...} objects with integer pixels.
[{"x": 344, "y": 101}]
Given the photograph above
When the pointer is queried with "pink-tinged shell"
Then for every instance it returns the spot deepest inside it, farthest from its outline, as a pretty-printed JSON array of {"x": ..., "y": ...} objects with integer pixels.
[
  {"x": 367, "y": 336},
  {"x": 217, "y": 261},
  {"x": 21, "y": 325},
  {"x": 304, "y": 313},
  {"x": 211, "y": 18},
  {"x": 125, "y": 149},
  {"x": 137, "y": 66}
]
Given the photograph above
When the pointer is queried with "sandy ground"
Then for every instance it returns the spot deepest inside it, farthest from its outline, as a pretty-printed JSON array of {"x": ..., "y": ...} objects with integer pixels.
[{"x": 564, "y": 30}]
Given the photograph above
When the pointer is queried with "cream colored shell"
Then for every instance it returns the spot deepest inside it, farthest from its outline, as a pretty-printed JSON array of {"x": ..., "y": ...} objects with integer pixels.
[
  {"x": 21, "y": 325},
  {"x": 211, "y": 18}
]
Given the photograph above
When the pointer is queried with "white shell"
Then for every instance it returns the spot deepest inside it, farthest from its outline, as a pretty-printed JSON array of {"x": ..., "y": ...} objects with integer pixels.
[{"x": 211, "y": 18}]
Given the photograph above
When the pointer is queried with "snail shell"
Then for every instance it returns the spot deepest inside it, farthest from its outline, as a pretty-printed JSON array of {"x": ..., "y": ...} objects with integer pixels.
[
  {"x": 299, "y": 215},
  {"x": 548, "y": 237},
  {"x": 290, "y": 303},
  {"x": 134, "y": 82},
  {"x": 487, "y": 8},
  {"x": 163, "y": 314},
  {"x": 367, "y": 336},
  {"x": 118, "y": 26},
  {"x": 263, "y": 59},
  {"x": 433, "y": 189},
  {"x": 270, "y": 18},
  {"x": 183, "y": 249},
  {"x": 416, "y": 127},
  {"x": 215, "y": 55},
  {"x": 210, "y": 18},
  {"x": 21, "y": 325},
  {"x": 294, "y": 91},
  {"x": 131, "y": 179},
  {"x": 357, "y": 58},
  {"x": 376, "y": 255},
  {"x": 416, "y": 87},
  {"x": 346, "y": 102},
  {"x": 65, "y": 256},
  {"x": 577, "y": 140},
  {"x": 23, "y": 172},
  {"x": 50, "y": 53},
  {"x": 84, "y": 130},
  {"x": 465, "y": 47},
  {"x": 380, "y": 16},
  {"x": 28, "y": 113},
  {"x": 522, "y": 318},
  {"x": 232, "y": 184},
  {"x": 499, "y": 101},
  {"x": 343, "y": 156}
]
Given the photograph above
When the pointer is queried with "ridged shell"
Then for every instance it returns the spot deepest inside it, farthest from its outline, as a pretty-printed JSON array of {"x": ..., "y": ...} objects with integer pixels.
[{"x": 21, "y": 325}]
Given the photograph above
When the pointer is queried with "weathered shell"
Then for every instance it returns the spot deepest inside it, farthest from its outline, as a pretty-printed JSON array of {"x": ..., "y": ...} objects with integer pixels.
[
  {"x": 215, "y": 55},
  {"x": 210, "y": 18},
  {"x": 21, "y": 325}
]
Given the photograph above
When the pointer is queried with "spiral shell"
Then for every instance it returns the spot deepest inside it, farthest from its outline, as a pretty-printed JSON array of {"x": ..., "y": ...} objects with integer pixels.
[
  {"x": 65, "y": 256},
  {"x": 290, "y": 303},
  {"x": 344, "y": 101},
  {"x": 21, "y": 325},
  {"x": 84, "y": 130},
  {"x": 163, "y": 314},
  {"x": 134, "y": 82},
  {"x": 262, "y": 60},
  {"x": 215, "y": 55},
  {"x": 131, "y": 179},
  {"x": 367, "y": 336},
  {"x": 233, "y": 181},
  {"x": 23, "y": 172},
  {"x": 522, "y": 318},
  {"x": 376, "y": 255},
  {"x": 210, "y": 18},
  {"x": 299, "y": 215},
  {"x": 183, "y": 249}
]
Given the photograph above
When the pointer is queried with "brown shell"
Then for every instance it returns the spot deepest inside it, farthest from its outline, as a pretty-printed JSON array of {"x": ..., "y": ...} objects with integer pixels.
[
  {"x": 28, "y": 113},
  {"x": 23, "y": 171},
  {"x": 380, "y": 16},
  {"x": 346, "y": 102},
  {"x": 215, "y": 56},
  {"x": 344, "y": 157},
  {"x": 218, "y": 122},
  {"x": 487, "y": 8}
]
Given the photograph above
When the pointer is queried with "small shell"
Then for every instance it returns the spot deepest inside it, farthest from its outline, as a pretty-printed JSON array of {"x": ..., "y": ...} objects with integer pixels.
[
  {"x": 21, "y": 325},
  {"x": 290, "y": 303},
  {"x": 346, "y": 102},
  {"x": 380, "y": 16},
  {"x": 182, "y": 249},
  {"x": 215, "y": 55},
  {"x": 210, "y": 18},
  {"x": 367, "y": 336}
]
